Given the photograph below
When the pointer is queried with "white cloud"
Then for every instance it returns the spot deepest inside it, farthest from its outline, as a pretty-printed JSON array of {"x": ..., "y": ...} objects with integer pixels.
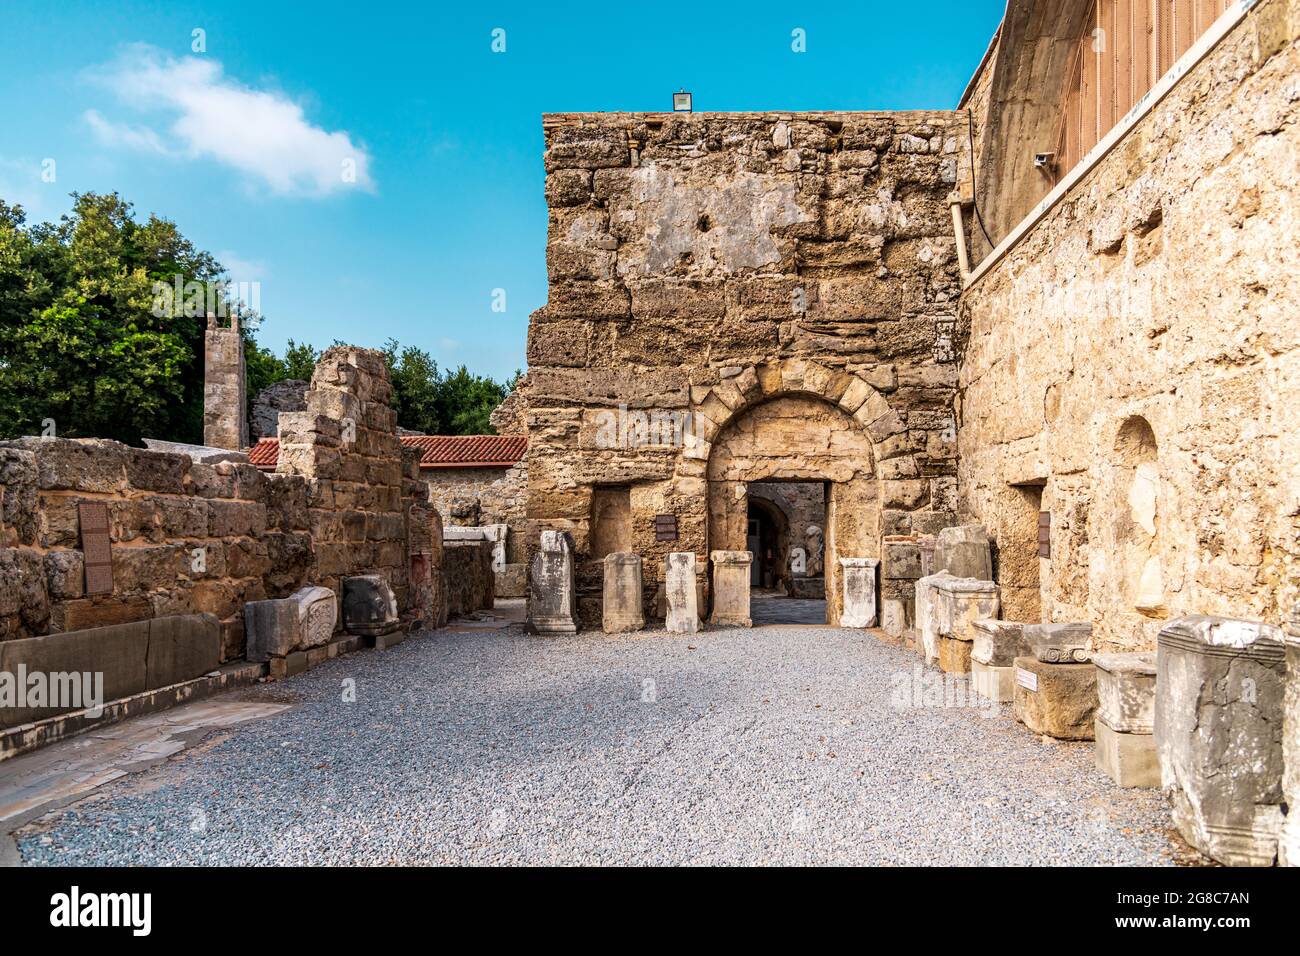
[
  {"x": 262, "y": 133},
  {"x": 240, "y": 269}
]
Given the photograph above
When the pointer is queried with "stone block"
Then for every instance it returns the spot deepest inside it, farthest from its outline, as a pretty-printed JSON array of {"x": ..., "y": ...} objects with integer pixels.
[
  {"x": 1218, "y": 729},
  {"x": 731, "y": 588},
  {"x": 997, "y": 643},
  {"x": 182, "y": 647},
  {"x": 896, "y": 616},
  {"x": 621, "y": 610},
  {"x": 959, "y": 602},
  {"x": 1128, "y": 759},
  {"x": 681, "y": 593},
  {"x": 964, "y": 551},
  {"x": 1057, "y": 643},
  {"x": 369, "y": 605},
  {"x": 1126, "y": 691},
  {"x": 927, "y": 621},
  {"x": 552, "y": 595},
  {"x": 859, "y": 576},
  {"x": 1058, "y": 700},
  {"x": 954, "y": 655},
  {"x": 991, "y": 681},
  {"x": 1288, "y": 850}
]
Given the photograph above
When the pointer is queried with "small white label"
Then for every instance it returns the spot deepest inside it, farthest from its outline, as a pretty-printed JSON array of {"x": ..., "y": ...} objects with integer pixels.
[{"x": 1027, "y": 679}]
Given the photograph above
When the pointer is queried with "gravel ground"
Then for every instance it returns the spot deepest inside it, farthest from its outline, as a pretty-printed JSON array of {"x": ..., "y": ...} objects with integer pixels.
[{"x": 771, "y": 745}]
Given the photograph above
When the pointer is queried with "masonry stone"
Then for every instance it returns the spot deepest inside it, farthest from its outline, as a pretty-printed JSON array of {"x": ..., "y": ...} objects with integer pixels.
[
  {"x": 859, "y": 592},
  {"x": 731, "y": 588},
  {"x": 552, "y": 607},
  {"x": 681, "y": 593},
  {"x": 622, "y": 604}
]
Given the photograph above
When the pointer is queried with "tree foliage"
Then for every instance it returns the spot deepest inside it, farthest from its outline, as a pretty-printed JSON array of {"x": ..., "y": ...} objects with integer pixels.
[{"x": 86, "y": 346}]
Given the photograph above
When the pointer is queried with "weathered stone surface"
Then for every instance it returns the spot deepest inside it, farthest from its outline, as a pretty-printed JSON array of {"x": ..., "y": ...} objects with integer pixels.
[
  {"x": 1128, "y": 759},
  {"x": 1126, "y": 691},
  {"x": 512, "y": 581},
  {"x": 369, "y": 605},
  {"x": 225, "y": 423},
  {"x": 289, "y": 395},
  {"x": 1057, "y": 643},
  {"x": 622, "y": 610},
  {"x": 954, "y": 655},
  {"x": 1218, "y": 729},
  {"x": 927, "y": 620},
  {"x": 1058, "y": 700},
  {"x": 196, "y": 453},
  {"x": 681, "y": 593},
  {"x": 1288, "y": 849},
  {"x": 731, "y": 588},
  {"x": 859, "y": 592},
  {"x": 993, "y": 682},
  {"x": 959, "y": 602},
  {"x": 996, "y": 643},
  {"x": 552, "y": 597},
  {"x": 964, "y": 552}
]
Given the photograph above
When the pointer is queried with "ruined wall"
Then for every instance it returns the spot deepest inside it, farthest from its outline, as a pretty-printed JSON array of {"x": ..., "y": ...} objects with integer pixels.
[
  {"x": 189, "y": 537},
  {"x": 700, "y": 265},
  {"x": 480, "y": 496},
  {"x": 1135, "y": 363},
  {"x": 186, "y": 537}
]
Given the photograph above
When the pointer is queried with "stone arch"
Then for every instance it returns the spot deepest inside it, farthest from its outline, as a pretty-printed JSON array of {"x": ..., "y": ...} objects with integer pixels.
[{"x": 797, "y": 435}]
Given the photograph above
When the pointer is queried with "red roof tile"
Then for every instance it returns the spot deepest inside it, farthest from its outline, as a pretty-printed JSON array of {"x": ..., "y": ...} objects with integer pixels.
[{"x": 437, "y": 451}]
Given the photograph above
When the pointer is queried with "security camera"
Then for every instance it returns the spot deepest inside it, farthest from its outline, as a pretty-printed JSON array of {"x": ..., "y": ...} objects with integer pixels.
[{"x": 1044, "y": 160}]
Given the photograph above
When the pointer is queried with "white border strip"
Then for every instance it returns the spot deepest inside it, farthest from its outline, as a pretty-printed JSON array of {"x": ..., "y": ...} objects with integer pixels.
[{"x": 1199, "y": 50}]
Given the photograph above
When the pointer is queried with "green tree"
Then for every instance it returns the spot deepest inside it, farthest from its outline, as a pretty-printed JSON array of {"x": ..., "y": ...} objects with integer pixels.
[{"x": 83, "y": 340}]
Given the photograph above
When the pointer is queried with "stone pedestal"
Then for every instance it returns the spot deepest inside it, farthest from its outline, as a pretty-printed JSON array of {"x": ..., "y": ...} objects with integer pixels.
[
  {"x": 1059, "y": 700},
  {"x": 731, "y": 588},
  {"x": 551, "y": 591},
  {"x": 957, "y": 604},
  {"x": 621, "y": 610},
  {"x": 927, "y": 621},
  {"x": 964, "y": 552},
  {"x": 1126, "y": 695},
  {"x": 682, "y": 615},
  {"x": 1288, "y": 850},
  {"x": 369, "y": 605},
  {"x": 1128, "y": 759},
  {"x": 1218, "y": 729},
  {"x": 859, "y": 592},
  {"x": 895, "y": 616},
  {"x": 993, "y": 653}
]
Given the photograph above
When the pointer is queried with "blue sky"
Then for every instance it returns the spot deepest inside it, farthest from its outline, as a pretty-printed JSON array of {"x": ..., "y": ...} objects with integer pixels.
[{"x": 244, "y": 145}]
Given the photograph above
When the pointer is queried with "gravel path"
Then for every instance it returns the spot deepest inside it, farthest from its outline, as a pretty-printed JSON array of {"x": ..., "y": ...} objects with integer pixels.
[{"x": 773, "y": 745}]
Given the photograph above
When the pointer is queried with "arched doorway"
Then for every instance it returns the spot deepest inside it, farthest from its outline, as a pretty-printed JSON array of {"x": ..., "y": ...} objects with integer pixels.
[{"x": 794, "y": 438}]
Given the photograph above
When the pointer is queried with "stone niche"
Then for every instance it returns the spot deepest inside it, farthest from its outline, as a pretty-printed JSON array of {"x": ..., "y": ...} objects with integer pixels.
[{"x": 737, "y": 299}]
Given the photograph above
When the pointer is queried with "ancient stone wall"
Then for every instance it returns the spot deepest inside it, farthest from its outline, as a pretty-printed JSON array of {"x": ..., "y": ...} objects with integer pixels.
[
  {"x": 225, "y": 422},
  {"x": 1133, "y": 365},
  {"x": 189, "y": 537},
  {"x": 703, "y": 265},
  {"x": 481, "y": 496}
]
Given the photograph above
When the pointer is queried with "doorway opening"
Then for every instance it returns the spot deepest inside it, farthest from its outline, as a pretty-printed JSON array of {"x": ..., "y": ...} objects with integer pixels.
[{"x": 785, "y": 524}]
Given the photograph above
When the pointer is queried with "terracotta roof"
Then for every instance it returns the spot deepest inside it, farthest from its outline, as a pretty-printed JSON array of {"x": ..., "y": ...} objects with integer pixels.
[{"x": 437, "y": 451}]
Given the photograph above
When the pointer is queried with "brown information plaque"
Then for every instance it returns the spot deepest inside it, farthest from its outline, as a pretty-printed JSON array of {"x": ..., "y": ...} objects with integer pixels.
[
  {"x": 665, "y": 527},
  {"x": 96, "y": 547}
]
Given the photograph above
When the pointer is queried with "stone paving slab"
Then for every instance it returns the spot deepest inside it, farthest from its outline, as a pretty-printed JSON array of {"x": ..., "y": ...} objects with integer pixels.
[{"x": 765, "y": 745}]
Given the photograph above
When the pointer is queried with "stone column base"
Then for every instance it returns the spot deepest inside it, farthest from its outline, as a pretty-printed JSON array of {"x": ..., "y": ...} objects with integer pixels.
[
  {"x": 1059, "y": 700},
  {"x": 993, "y": 683},
  {"x": 1128, "y": 759},
  {"x": 954, "y": 655}
]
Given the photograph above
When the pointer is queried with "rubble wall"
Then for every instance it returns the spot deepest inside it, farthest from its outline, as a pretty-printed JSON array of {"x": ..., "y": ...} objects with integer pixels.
[
  {"x": 703, "y": 264},
  {"x": 1134, "y": 362}
]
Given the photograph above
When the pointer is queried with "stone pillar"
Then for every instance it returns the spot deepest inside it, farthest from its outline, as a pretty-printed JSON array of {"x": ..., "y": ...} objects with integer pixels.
[
  {"x": 682, "y": 593},
  {"x": 1218, "y": 729},
  {"x": 225, "y": 418},
  {"x": 1288, "y": 849},
  {"x": 927, "y": 629},
  {"x": 1126, "y": 700},
  {"x": 859, "y": 592},
  {"x": 992, "y": 658},
  {"x": 551, "y": 593},
  {"x": 964, "y": 551},
  {"x": 900, "y": 567},
  {"x": 959, "y": 603},
  {"x": 731, "y": 588},
  {"x": 621, "y": 608}
]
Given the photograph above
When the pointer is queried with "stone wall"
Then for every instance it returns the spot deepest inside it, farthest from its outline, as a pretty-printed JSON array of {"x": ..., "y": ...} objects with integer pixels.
[
  {"x": 481, "y": 496},
  {"x": 703, "y": 265},
  {"x": 1132, "y": 366},
  {"x": 468, "y": 577},
  {"x": 189, "y": 537},
  {"x": 186, "y": 537}
]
